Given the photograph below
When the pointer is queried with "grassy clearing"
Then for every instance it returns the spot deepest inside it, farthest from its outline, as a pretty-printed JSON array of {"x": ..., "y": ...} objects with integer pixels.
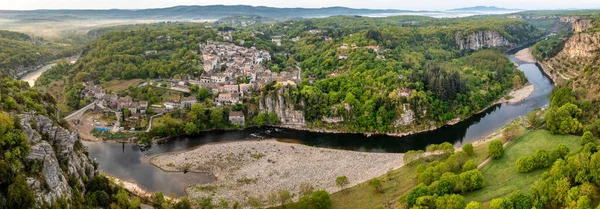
[
  {"x": 395, "y": 183},
  {"x": 120, "y": 85},
  {"x": 159, "y": 121},
  {"x": 501, "y": 175}
]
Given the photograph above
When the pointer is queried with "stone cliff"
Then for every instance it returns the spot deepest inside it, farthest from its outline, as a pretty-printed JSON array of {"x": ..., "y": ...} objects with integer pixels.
[
  {"x": 580, "y": 52},
  {"x": 481, "y": 39},
  {"x": 59, "y": 157},
  {"x": 280, "y": 103}
]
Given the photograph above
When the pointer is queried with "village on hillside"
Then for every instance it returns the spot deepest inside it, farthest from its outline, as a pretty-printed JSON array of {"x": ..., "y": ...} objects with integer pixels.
[{"x": 229, "y": 71}]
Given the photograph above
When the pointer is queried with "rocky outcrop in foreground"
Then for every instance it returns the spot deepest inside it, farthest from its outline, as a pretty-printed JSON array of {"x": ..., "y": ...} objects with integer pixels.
[{"x": 59, "y": 157}]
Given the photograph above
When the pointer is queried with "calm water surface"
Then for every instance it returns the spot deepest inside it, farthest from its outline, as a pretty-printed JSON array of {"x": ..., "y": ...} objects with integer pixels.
[{"x": 124, "y": 161}]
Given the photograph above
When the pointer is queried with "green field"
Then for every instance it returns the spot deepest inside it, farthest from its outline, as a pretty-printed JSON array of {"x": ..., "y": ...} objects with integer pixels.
[
  {"x": 395, "y": 184},
  {"x": 501, "y": 175}
]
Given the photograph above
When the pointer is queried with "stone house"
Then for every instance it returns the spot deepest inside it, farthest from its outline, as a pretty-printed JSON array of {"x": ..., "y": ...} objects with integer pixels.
[{"x": 237, "y": 118}]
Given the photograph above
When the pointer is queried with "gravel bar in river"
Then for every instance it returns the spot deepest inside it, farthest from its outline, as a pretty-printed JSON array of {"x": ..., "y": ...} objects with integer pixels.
[{"x": 258, "y": 168}]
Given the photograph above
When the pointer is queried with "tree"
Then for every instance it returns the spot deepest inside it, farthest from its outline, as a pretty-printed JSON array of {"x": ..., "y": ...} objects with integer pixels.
[
  {"x": 584, "y": 202},
  {"x": 496, "y": 149},
  {"x": 317, "y": 200},
  {"x": 520, "y": 200},
  {"x": 541, "y": 159},
  {"x": 563, "y": 120},
  {"x": 341, "y": 181},
  {"x": 19, "y": 194},
  {"x": 10, "y": 103},
  {"x": 453, "y": 201},
  {"x": 468, "y": 148},
  {"x": 419, "y": 191},
  {"x": 532, "y": 118},
  {"x": 516, "y": 82},
  {"x": 469, "y": 165},
  {"x": 562, "y": 96},
  {"x": 525, "y": 164},
  {"x": 587, "y": 137},
  {"x": 501, "y": 203},
  {"x": 512, "y": 132},
  {"x": 474, "y": 205},
  {"x": 203, "y": 93},
  {"x": 472, "y": 180},
  {"x": 411, "y": 156}
]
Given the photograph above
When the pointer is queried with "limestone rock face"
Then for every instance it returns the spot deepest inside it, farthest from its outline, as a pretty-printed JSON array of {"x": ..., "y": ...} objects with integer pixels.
[
  {"x": 406, "y": 118},
  {"x": 61, "y": 156},
  {"x": 481, "y": 39},
  {"x": 582, "y": 25},
  {"x": 581, "y": 45},
  {"x": 282, "y": 105}
]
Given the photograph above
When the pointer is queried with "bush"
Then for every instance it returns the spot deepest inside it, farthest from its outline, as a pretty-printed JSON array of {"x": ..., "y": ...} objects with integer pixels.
[
  {"x": 376, "y": 183},
  {"x": 472, "y": 180},
  {"x": 468, "y": 148},
  {"x": 414, "y": 194},
  {"x": 525, "y": 164},
  {"x": 541, "y": 159},
  {"x": 512, "y": 132},
  {"x": 587, "y": 137},
  {"x": 474, "y": 205},
  {"x": 469, "y": 165},
  {"x": 341, "y": 181},
  {"x": 520, "y": 200},
  {"x": 501, "y": 203},
  {"x": 495, "y": 149},
  {"x": 317, "y": 200}
]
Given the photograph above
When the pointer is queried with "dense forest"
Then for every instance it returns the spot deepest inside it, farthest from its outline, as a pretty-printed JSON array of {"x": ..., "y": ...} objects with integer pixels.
[
  {"x": 415, "y": 54},
  {"x": 20, "y": 51}
]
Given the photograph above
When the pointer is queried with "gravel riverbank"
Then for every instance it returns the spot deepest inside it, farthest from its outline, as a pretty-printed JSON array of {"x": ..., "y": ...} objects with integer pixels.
[{"x": 258, "y": 168}]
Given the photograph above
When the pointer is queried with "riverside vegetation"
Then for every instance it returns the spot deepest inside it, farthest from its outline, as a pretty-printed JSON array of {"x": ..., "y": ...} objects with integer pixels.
[
  {"x": 535, "y": 164},
  {"x": 443, "y": 75}
]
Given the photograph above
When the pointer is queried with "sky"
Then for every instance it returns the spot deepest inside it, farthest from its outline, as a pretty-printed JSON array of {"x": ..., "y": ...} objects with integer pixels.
[{"x": 372, "y": 4}]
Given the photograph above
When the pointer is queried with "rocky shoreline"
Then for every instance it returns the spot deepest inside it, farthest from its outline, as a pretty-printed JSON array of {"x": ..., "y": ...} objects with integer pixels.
[{"x": 258, "y": 168}]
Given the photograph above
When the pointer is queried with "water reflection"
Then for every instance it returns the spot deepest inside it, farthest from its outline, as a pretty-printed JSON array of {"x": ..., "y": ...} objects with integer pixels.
[{"x": 124, "y": 160}]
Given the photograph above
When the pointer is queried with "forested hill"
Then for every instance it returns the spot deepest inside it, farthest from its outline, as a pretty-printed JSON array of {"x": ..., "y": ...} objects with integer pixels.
[
  {"x": 20, "y": 53},
  {"x": 193, "y": 12},
  {"x": 389, "y": 74}
]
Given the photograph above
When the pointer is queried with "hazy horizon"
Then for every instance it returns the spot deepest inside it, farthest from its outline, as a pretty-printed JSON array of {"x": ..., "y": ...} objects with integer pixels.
[{"x": 431, "y": 5}]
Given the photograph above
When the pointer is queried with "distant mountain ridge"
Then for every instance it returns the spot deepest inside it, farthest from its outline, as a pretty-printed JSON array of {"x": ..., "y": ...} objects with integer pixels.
[
  {"x": 483, "y": 8},
  {"x": 195, "y": 12}
]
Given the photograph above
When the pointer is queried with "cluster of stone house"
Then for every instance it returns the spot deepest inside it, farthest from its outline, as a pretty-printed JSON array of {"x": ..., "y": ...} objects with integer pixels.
[
  {"x": 185, "y": 102},
  {"x": 98, "y": 94},
  {"x": 219, "y": 54},
  {"x": 237, "y": 62}
]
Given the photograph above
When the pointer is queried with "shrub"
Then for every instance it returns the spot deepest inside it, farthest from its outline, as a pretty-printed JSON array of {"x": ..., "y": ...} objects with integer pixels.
[
  {"x": 525, "y": 164},
  {"x": 469, "y": 165},
  {"x": 472, "y": 180},
  {"x": 341, "y": 181},
  {"x": 376, "y": 183},
  {"x": 541, "y": 159},
  {"x": 474, "y": 205},
  {"x": 587, "y": 137},
  {"x": 468, "y": 148},
  {"x": 495, "y": 149},
  {"x": 520, "y": 200},
  {"x": 501, "y": 203},
  {"x": 317, "y": 200}
]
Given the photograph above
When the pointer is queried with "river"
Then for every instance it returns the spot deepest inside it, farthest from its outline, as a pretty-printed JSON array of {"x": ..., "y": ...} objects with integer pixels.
[
  {"x": 126, "y": 161},
  {"x": 32, "y": 76}
]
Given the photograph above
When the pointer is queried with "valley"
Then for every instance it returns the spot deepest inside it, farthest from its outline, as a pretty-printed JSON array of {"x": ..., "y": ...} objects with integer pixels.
[{"x": 307, "y": 112}]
